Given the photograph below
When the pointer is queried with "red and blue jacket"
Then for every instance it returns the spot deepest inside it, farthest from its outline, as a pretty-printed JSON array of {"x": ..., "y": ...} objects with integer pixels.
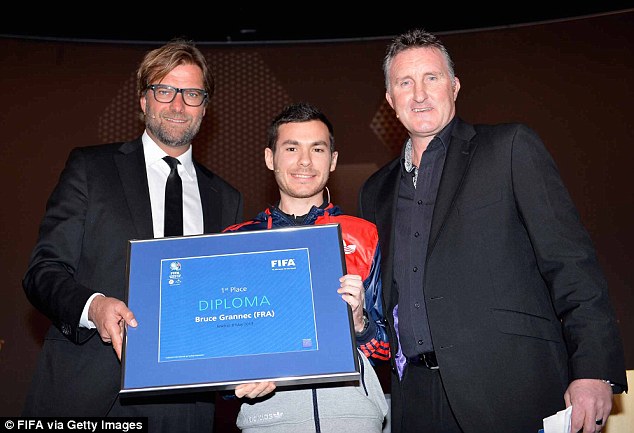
[{"x": 363, "y": 257}]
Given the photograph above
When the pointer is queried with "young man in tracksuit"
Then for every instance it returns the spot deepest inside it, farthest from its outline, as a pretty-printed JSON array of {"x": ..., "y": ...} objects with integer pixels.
[{"x": 301, "y": 154}]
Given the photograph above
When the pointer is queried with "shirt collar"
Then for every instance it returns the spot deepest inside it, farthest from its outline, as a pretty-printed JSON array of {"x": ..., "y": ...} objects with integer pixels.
[
  {"x": 153, "y": 153},
  {"x": 407, "y": 157},
  {"x": 443, "y": 139}
]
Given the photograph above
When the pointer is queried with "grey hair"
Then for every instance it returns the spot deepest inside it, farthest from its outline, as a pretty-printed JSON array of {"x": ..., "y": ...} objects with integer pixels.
[{"x": 416, "y": 38}]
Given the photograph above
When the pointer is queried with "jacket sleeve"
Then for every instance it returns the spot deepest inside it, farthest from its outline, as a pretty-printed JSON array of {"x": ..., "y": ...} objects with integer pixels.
[
  {"x": 373, "y": 342},
  {"x": 567, "y": 262},
  {"x": 49, "y": 282}
]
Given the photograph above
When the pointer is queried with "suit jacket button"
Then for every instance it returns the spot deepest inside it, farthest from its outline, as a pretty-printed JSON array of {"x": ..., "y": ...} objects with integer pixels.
[{"x": 66, "y": 329}]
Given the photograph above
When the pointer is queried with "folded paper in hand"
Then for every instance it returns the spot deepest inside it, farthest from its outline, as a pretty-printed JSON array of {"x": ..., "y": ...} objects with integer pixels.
[{"x": 559, "y": 422}]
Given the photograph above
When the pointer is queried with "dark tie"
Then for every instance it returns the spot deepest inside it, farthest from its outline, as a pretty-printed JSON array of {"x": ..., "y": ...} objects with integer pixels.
[{"x": 173, "y": 225}]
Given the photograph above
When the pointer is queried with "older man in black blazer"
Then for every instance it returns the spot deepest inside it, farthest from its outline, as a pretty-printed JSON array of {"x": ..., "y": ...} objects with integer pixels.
[
  {"x": 107, "y": 195},
  {"x": 498, "y": 311}
]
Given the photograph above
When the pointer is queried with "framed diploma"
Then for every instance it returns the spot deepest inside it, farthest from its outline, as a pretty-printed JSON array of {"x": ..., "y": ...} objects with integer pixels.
[{"x": 215, "y": 311}]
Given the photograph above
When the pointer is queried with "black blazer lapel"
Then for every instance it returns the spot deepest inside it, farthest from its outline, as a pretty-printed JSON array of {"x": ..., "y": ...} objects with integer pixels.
[
  {"x": 211, "y": 201},
  {"x": 386, "y": 200},
  {"x": 130, "y": 162},
  {"x": 461, "y": 149}
]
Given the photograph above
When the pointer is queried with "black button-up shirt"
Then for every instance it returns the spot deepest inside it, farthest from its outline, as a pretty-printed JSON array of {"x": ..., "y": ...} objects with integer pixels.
[{"x": 415, "y": 208}]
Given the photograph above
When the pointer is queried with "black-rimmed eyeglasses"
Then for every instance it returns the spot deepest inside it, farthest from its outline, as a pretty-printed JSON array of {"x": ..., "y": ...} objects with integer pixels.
[{"x": 166, "y": 94}]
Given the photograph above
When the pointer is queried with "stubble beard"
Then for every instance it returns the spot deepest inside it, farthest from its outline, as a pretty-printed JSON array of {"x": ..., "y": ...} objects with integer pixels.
[
  {"x": 304, "y": 194},
  {"x": 170, "y": 138}
]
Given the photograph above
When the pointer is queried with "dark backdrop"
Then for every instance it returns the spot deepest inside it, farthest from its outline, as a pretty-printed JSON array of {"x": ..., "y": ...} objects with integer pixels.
[{"x": 569, "y": 80}]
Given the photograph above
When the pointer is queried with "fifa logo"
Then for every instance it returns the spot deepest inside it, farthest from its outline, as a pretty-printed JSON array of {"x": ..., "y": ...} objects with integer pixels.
[{"x": 283, "y": 264}]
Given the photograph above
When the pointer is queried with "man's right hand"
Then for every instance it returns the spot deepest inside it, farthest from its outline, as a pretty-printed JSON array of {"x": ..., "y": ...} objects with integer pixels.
[
  {"x": 110, "y": 316},
  {"x": 254, "y": 390}
]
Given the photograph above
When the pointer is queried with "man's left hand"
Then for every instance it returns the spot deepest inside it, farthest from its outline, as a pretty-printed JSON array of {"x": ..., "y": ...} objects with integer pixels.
[
  {"x": 591, "y": 401},
  {"x": 353, "y": 292}
]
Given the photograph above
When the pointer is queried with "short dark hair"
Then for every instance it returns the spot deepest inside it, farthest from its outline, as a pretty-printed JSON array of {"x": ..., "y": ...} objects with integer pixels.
[
  {"x": 297, "y": 113},
  {"x": 416, "y": 38}
]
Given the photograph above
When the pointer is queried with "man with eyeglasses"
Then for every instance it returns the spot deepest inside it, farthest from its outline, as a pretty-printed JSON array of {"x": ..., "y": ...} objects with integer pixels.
[{"x": 106, "y": 195}]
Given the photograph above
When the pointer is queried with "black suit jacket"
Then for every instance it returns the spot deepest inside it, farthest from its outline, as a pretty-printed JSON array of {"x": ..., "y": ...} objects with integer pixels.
[
  {"x": 101, "y": 201},
  {"x": 517, "y": 304}
]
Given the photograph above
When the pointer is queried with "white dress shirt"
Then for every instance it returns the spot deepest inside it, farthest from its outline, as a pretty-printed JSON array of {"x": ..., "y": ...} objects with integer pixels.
[{"x": 157, "y": 172}]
